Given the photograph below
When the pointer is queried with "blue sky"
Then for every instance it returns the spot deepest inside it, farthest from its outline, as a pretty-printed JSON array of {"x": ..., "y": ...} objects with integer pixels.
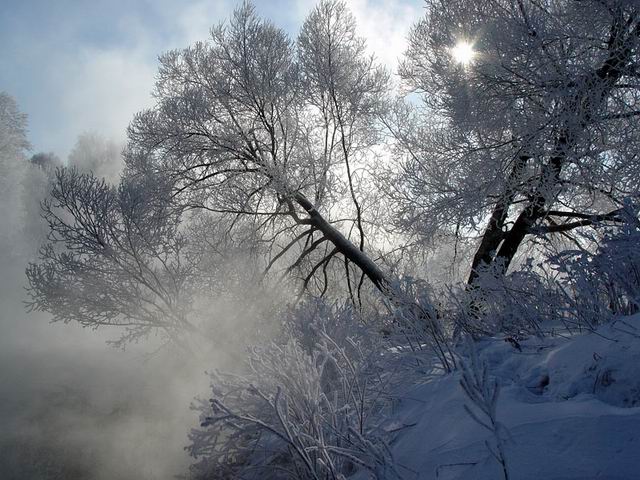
[{"x": 76, "y": 66}]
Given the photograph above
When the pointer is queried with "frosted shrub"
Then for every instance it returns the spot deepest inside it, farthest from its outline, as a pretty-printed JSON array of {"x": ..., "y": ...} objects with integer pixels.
[
  {"x": 577, "y": 288},
  {"x": 417, "y": 326},
  {"x": 519, "y": 303},
  {"x": 315, "y": 319},
  {"x": 605, "y": 283},
  {"x": 302, "y": 410},
  {"x": 483, "y": 393}
]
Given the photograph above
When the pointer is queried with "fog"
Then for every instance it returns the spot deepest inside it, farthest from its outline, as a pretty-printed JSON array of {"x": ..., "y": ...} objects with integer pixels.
[
  {"x": 359, "y": 250},
  {"x": 72, "y": 406}
]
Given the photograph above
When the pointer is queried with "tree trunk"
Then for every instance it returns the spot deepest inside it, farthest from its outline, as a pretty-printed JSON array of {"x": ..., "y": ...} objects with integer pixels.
[
  {"x": 344, "y": 245},
  {"x": 579, "y": 112},
  {"x": 494, "y": 233}
]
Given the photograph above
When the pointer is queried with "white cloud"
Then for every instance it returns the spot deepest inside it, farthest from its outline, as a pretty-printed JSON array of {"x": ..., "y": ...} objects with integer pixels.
[
  {"x": 99, "y": 89},
  {"x": 195, "y": 20},
  {"x": 385, "y": 24},
  {"x": 105, "y": 90}
]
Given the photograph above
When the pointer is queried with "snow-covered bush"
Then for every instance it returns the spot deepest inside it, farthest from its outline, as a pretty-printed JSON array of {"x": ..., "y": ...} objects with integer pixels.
[
  {"x": 605, "y": 283},
  {"x": 578, "y": 288},
  {"x": 483, "y": 393},
  {"x": 418, "y": 330},
  {"x": 306, "y": 407},
  {"x": 520, "y": 303}
]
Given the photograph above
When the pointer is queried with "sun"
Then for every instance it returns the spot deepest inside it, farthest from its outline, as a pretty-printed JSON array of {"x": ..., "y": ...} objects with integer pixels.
[{"x": 463, "y": 53}]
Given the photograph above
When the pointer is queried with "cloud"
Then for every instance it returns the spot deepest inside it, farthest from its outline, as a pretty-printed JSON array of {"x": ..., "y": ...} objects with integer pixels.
[
  {"x": 92, "y": 69},
  {"x": 104, "y": 87},
  {"x": 385, "y": 24},
  {"x": 104, "y": 92},
  {"x": 196, "y": 19}
]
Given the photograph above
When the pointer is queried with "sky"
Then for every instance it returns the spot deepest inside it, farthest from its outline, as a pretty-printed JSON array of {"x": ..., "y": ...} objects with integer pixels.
[{"x": 79, "y": 66}]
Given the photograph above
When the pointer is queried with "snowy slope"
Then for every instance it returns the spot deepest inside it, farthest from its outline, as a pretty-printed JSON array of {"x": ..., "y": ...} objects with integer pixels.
[{"x": 570, "y": 405}]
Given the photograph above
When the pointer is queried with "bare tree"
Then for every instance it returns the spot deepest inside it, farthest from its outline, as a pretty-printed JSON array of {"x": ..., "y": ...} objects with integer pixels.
[
  {"x": 113, "y": 259},
  {"x": 47, "y": 161},
  {"x": 265, "y": 137},
  {"x": 251, "y": 127}
]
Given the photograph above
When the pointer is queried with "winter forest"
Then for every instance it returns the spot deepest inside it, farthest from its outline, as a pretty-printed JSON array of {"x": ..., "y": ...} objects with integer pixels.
[{"x": 324, "y": 240}]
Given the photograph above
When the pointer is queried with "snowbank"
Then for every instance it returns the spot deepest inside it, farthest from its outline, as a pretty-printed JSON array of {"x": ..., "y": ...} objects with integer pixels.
[{"x": 571, "y": 407}]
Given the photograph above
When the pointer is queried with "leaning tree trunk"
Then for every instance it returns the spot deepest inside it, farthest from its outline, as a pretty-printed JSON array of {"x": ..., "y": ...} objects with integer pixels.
[{"x": 496, "y": 244}]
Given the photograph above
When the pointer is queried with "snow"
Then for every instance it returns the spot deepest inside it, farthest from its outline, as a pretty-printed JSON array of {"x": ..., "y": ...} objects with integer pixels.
[{"x": 571, "y": 407}]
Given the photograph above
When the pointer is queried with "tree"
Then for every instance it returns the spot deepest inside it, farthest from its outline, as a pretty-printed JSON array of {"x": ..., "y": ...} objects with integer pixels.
[
  {"x": 93, "y": 153},
  {"x": 262, "y": 136},
  {"x": 112, "y": 259},
  {"x": 13, "y": 149},
  {"x": 36, "y": 186},
  {"x": 251, "y": 127},
  {"x": 46, "y": 161},
  {"x": 536, "y": 135},
  {"x": 124, "y": 257}
]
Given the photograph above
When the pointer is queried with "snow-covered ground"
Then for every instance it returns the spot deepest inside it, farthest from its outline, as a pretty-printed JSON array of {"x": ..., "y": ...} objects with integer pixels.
[{"x": 571, "y": 407}]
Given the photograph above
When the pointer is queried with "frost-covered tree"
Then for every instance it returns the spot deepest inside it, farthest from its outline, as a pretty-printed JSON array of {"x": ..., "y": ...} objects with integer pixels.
[
  {"x": 102, "y": 157},
  {"x": 13, "y": 163},
  {"x": 266, "y": 137},
  {"x": 112, "y": 258},
  {"x": 36, "y": 185},
  {"x": 47, "y": 161},
  {"x": 528, "y": 125},
  {"x": 122, "y": 257},
  {"x": 253, "y": 126}
]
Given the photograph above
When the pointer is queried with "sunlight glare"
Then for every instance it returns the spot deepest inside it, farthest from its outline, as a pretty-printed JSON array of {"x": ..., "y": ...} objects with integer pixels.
[{"x": 463, "y": 52}]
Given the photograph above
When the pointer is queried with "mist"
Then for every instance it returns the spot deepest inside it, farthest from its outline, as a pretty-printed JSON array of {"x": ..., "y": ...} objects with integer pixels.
[{"x": 72, "y": 406}]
